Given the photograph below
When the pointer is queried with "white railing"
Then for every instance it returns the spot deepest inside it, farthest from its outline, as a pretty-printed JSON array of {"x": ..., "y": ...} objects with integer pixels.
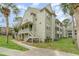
[
  {"x": 23, "y": 31},
  {"x": 31, "y": 36},
  {"x": 30, "y": 19}
]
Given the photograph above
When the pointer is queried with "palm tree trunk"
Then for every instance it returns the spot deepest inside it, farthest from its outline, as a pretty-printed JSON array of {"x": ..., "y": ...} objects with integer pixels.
[
  {"x": 77, "y": 25},
  {"x": 7, "y": 28},
  {"x": 76, "y": 14}
]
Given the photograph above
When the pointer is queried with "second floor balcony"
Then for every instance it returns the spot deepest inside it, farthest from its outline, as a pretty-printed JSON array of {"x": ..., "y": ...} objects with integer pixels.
[
  {"x": 27, "y": 20},
  {"x": 26, "y": 30}
]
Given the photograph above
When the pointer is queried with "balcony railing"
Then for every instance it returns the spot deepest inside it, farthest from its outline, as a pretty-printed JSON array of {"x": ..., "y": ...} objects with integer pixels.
[
  {"x": 28, "y": 20},
  {"x": 24, "y": 31}
]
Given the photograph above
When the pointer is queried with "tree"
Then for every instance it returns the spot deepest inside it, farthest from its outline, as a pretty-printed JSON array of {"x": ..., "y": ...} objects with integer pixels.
[
  {"x": 76, "y": 15},
  {"x": 17, "y": 25},
  {"x": 68, "y": 9},
  {"x": 5, "y": 9},
  {"x": 73, "y": 9},
  {"x": 16, "y": 11}
]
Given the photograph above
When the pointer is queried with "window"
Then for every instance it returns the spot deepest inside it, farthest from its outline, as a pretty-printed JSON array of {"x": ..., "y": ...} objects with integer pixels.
[
  {"x": 75, "y": 33},
  {"x": 22, "y": 28},
  {"x": 35, "y": 19},
  {"x": 40, "y": 22},
  {"x": 57, "y": 28},
  {"x": 57, "y": 36},
  {"x": 69, "y": 33},
  {"x": 61, "y": 30},
  {"x": 61, "y": 24},
  {"x": 47, "y": 27}
]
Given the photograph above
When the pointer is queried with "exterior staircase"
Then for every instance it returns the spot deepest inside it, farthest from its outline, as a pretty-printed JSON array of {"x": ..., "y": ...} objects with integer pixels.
[{"x": 31, "y": 37}]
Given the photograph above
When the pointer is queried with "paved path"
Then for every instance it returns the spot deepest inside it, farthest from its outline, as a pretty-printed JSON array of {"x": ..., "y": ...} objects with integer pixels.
[
  {"x": 46, "y": 52},
  {"x": 24, "y": 45},
  {"x": 42, "y": 51}
]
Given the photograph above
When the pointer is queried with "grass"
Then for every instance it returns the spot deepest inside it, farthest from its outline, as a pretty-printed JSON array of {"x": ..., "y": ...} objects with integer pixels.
[
  {"x": 3, "y": 55},
  {"x": 64, "y": 44},
  {"x": 10, "y": 44}
]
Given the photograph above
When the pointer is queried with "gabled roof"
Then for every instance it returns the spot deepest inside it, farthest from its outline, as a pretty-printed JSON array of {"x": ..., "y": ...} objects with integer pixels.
[
  {"x": 58, "y": 20},
  {"x": 45, "y": 7},
  {"x": 49, "y": 8}
]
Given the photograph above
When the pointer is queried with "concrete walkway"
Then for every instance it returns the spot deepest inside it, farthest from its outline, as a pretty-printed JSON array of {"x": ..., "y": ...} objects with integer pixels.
[
  {"x": 46, "y": 52},
  {"x": 24, "y": 45},
  {"x": 42, "y": 51}
]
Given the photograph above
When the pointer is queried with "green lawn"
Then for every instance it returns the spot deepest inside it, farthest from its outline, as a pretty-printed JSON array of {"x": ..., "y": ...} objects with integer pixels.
[
  {"x": 3, "y": 55},
  {"x": 64, "y": 44},
  {"x": 10, "y": 44}
]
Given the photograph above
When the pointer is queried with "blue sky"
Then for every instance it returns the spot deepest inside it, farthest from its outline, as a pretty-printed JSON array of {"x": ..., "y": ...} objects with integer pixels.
[{"x": 23, "y": 6}]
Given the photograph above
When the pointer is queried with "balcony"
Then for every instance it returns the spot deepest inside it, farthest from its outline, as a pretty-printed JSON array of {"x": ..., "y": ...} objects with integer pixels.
[
  {"x": 24, "y": 31},
  {"x": 28, "y": 20}
]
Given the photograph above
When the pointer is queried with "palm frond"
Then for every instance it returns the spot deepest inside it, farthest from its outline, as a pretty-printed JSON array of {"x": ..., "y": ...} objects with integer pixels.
[
  {"x": 16, "y": 10},
  {"x": 64, "y": 7},
  {"x": 67, "y": 8}
]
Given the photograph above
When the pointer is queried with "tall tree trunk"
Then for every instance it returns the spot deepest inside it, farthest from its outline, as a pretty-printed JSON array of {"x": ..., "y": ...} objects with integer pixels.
[
  {"x": 76, "y": 14},
  {"x": 7, "y": 28}
]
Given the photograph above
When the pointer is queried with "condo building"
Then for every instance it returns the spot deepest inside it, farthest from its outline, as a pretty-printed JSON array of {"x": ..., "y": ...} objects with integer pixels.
[
  {"x": 38, "y": 24},
  {"x": 41, "y": 24},
  {"x": 68, "y": 31},
  {"x": 58, "y": 29}
]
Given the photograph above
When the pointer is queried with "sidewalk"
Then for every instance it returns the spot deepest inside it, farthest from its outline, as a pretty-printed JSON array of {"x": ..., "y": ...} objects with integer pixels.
[
  {"x": 24, "y": 45},
  {"x": 34, "y": 51}
]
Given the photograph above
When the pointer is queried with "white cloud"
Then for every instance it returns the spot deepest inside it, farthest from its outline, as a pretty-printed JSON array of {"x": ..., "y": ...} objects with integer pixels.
[
  {"x": 21, "y": 7},
  {"x": 35, "y": 5}
]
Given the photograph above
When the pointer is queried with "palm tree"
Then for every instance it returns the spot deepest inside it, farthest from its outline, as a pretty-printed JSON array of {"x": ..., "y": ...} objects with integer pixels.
[
  {"x": 5, "y": 9},
  {"x": 68, "y": 9},
  {"x": 16, "y": 11},
  {"x": 73, "y": 10},
  {"x": 17, "y": 18},
  {"x": 17, "y": 25}
]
